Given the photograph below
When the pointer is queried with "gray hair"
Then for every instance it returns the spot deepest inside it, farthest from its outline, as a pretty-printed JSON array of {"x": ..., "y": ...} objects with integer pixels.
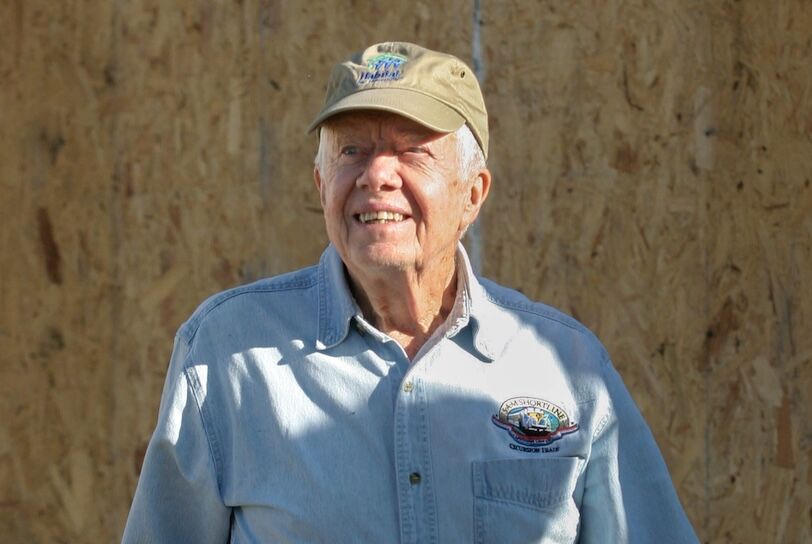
[
  {"x": 470, "y": 157},
  {"x": 469, "y": 154}
]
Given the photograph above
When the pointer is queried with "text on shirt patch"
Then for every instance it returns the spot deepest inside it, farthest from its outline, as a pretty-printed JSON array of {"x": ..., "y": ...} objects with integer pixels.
[{"x": 533, "y": 423}]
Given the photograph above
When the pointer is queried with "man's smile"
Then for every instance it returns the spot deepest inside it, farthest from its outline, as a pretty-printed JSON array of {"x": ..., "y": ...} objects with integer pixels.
[{"x": 380, "y": 217}]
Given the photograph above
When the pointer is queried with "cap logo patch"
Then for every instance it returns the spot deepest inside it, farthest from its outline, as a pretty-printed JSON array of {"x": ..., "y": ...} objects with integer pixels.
[
  {"x": 383, "y": 67},
  {"x": 533, "y": 423}
]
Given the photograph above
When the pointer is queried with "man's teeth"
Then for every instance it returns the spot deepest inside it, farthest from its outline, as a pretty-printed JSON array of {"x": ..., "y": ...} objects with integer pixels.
[{"x": 380, "y": 217}]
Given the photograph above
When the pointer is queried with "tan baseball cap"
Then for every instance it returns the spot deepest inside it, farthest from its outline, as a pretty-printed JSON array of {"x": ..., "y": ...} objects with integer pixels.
[{"x": 434, "y": 89}]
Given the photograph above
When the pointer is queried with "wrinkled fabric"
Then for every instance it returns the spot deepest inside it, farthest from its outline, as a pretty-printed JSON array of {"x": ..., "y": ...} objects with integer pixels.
[{"x": 287, "y": 417}]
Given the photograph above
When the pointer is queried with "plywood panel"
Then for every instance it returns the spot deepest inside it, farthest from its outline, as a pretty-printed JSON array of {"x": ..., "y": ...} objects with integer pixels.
[
  {"x": 55, "y": 395},
  {"x": 652, "y": 165},
  {"x": 662, "y": 189},
  {"x": 153, "y": 154}
]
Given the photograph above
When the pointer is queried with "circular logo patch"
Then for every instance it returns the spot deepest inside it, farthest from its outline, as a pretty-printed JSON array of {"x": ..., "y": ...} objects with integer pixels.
[{"x": 533, "y": 422}]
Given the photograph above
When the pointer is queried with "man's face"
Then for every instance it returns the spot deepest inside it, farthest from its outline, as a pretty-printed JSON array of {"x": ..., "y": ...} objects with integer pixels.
[{"x": 392, "y": 194}]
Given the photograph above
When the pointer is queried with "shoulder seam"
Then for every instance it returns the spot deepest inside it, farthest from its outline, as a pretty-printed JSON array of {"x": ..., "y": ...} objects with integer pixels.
[
  {"x": 529, "y": 308},
  {"x": 193, "y": 324}
]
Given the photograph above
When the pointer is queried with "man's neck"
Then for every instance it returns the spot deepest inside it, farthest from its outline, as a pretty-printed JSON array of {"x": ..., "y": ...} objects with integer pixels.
[{"x": 407, "y": 305}]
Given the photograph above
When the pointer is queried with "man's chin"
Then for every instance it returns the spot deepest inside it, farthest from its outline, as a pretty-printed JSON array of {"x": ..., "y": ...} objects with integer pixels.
[
  {"x": 382, "y": 260},
  {"x": 387, "y": 263}
]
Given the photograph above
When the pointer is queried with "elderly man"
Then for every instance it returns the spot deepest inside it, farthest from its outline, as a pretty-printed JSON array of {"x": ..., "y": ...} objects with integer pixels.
[{"x": 388, "y": 394}]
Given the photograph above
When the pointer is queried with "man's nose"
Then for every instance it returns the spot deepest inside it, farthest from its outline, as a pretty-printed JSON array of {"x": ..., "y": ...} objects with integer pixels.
[{"x": 381, "y": 172}]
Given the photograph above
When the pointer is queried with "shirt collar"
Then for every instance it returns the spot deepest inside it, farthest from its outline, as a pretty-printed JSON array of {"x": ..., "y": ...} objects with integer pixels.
[
  {"x": 337, "y": 307},
  {"x": 336, "y": 304},
  {"x": 477, "y": 310}
]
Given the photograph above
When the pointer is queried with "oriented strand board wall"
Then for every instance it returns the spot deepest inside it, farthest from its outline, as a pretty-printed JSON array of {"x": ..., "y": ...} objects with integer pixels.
[
  {"x": 653, "y": 167},
  {"x": 662, "y": 184}
]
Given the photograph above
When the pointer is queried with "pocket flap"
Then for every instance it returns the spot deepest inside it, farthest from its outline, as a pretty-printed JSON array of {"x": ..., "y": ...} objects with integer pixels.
[{"x": 538, "y": 482}]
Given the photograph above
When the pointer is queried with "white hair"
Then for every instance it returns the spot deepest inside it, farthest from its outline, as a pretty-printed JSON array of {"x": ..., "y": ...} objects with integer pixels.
[{"x": 470, "y": 158}]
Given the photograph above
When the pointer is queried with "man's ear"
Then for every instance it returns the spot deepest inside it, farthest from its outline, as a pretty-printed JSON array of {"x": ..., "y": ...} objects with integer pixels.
[
  {"x": 477, "y": 194},
  {"x": 317, "y": 180}
]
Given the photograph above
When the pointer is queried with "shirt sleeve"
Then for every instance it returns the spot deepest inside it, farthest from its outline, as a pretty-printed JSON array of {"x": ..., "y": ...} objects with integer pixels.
[
  {"x": 178, "y": 497},
  {"x": 628, "y": 494}
]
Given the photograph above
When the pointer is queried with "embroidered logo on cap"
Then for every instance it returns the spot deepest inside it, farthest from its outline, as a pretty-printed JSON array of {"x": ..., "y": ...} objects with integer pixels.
[
  {"x": 533, "y": 423},
  {"x": 383, "y": 67}
]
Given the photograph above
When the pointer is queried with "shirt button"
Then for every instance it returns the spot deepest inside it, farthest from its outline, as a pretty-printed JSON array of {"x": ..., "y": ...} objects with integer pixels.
[
  {"x": 414, "y": 478},
  {"x": 408, "y": 386}
]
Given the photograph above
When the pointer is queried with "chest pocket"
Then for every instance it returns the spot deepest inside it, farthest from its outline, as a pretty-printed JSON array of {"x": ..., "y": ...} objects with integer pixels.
[{"x": 525, "y": 500}]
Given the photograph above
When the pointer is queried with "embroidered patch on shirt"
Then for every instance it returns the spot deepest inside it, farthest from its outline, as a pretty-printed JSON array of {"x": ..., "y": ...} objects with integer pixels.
[
  {"x": 533, "y": 423},
  {"x": 386, "y": 66}
]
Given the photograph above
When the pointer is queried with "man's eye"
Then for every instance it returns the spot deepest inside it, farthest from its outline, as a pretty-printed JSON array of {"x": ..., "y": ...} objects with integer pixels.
[
  {"x": 417, "y": 149},
  {"x": 349, "y": 150}
]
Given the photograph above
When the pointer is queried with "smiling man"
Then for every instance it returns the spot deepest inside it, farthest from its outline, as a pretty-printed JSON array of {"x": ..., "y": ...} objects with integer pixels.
[
  {"x": 388, "y": 394},
  {"x": 396, "y": 202}
]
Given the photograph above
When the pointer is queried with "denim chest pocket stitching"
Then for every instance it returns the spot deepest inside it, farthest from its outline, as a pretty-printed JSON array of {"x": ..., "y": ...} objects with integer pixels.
[{"x": 538, "y": 483}]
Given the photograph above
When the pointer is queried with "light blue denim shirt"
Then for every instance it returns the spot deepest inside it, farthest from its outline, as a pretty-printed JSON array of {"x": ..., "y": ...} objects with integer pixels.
[{"x": 287, "y": 417}]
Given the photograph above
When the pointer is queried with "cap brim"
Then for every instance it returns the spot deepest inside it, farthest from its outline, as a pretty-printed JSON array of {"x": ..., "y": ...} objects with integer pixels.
[{"x": 418, "y": 107}]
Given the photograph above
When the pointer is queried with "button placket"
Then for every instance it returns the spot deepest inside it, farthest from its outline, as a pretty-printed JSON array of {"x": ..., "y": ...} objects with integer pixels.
[
  {"x": 405, "y": 435},
  {"x": 413, "y": 459}
]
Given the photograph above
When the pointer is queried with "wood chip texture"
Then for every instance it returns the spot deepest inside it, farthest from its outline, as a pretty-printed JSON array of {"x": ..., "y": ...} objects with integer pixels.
[{"x": 652, "y": 166}]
